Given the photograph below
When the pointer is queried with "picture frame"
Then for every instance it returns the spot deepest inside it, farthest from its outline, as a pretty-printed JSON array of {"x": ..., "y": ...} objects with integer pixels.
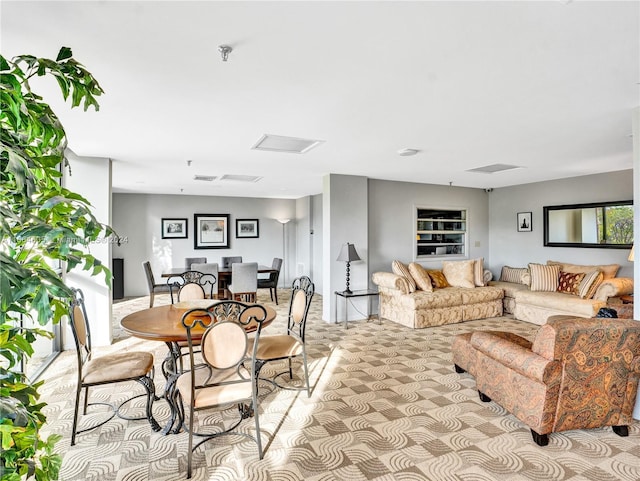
[
  {"x": 524, "y": 222},
  {"x": 211, "y": 231},
  {"x": 174, "y": 228},
  {"x": 247, "y": 228}
]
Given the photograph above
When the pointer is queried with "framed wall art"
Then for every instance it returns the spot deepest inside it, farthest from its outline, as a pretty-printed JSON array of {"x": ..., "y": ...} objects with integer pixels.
[
  {"x": 524, "y": 222},
  {"x": 211, "y": 231},
  {"x": 247, "y": 228},
  {"x": 174, "y": 228}
]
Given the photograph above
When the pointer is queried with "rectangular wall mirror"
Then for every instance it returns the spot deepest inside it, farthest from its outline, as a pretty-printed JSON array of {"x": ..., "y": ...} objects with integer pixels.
[{"x": 600, "y": 224}]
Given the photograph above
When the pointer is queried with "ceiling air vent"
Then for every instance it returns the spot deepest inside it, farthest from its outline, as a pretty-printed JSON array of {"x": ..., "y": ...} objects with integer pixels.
[
  {"x": 279, "y": 143},
  {"x": 241, "y": 178},
  {"x": 493, "y": 168},
  {"x": 204, "y": 178}
]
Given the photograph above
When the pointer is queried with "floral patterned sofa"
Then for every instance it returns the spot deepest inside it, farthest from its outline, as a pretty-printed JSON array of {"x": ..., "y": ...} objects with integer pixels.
[
  {"x": 536, "y": 304},
  {"x": 418, "y": 308},
  {"x": 577, "y": 374}
]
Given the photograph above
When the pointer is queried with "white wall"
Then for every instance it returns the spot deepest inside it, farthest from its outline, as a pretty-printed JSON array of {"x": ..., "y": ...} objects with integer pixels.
[
  {"x": 513, "y": 248},
  {"x": 392, "y": 229},
  {"x": 91, "y": 178},
  {"x": 137, "y": 218},
  {"x": 345, "y": 219}
]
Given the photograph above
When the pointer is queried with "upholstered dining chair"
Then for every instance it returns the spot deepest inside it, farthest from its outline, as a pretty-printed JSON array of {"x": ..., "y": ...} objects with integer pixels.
[
  {"x": 271, "y": 282},
  {"x": 106, "y": 369},
  {"x": 191, "y": 285},
  {"x": 227, "y": 374},
  {"x": 292, "y": 343},
  {"x": 151, "y": 282},
  {"x": 227, "y": 262},
  {"x": 244, "y": 281},
  {"x": 208, "y": 268},
  {"x": 193, "y": 260}
]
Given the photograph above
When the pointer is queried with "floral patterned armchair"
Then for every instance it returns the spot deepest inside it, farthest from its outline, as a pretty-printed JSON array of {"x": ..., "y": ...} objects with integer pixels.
[{"x": 577, "y": 374}]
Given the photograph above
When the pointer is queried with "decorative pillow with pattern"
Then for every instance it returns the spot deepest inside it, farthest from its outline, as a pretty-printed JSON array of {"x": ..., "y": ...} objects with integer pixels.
[
  {"x": 590, "y": 284},
  {"x": 421, "y": 277},
  {"x": 512, "y": 274},
  {"x": 609, "y": 271},
  {"x": 544, "y": 278},
  {"x": 569, "y": 283},
  {"x": 438, "y": 279},
  {"x": 478, "y": 272},
  {"x": 459, "y": 273},
  {"x": 400, "y": 269}
]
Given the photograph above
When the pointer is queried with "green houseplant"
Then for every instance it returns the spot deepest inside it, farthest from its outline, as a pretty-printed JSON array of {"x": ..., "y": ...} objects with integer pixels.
[{"x": 45, "y": 229}]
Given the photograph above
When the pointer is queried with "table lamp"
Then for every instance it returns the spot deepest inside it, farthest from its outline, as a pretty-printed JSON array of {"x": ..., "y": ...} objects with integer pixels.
[{"x": 348, "y": 254}]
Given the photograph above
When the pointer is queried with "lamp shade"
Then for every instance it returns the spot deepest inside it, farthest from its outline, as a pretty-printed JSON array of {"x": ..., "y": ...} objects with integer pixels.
[{"x": 348, "y": 253}]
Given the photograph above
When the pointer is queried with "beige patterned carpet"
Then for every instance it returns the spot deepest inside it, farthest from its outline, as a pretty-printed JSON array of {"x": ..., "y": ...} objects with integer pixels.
[{"x": 386, "y": 405}]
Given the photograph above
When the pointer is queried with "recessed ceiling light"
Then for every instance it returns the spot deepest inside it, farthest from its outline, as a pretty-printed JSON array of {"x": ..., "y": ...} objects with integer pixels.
[
  {"x": 493, "y": 168},
  {"x": 407, "y": 152},
  {"x": 205, "y": 178},
  {"x": 241, "y": 178},
  {"x": 279, "y": 143}
]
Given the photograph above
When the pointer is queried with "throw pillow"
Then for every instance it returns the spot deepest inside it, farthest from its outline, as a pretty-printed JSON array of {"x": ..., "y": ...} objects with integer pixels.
[
  {"x": 609, "y": 271},
  {"x": 421, "y": 277},
  {"x": 438, "y": 279},
  {"x": 544, "y": 278},
  {"x": 512, "y": 274},
  {"x": 400, "y": 269},
  {"x": 590, "y": 284},
  {"x": 459, "y": 273},
  {"x": 478, "y": 272},
  {"x": 569, "y": 283}
]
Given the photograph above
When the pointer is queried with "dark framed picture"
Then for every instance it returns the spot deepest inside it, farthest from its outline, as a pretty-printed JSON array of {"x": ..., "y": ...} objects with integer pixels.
[
  {"x": 211, "y": 231},
  {"x": 174, "y": 228},
  {"x": 524, "y": 222},
  {"x": 247, "y": 228}
]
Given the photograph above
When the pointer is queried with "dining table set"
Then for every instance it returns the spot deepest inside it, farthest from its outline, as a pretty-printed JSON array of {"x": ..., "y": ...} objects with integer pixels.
[{"x": 165, "y": 324}]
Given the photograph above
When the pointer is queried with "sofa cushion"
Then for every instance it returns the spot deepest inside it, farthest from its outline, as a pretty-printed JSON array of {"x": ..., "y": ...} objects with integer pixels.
[
  {"x": 459, "y": 273},
  {"x": 509, "y": 288},
  {"x": 446, "y": 297},
  {"x": 512, "y": 274},
  {"x": 608, "y": 270},
  {"x": 400, "y": 269},
  {"x": 438, "y": 279},
  {"x": 481, "y": 294},
  {"x": 544, "y": 278},
  {"x": 421, "y": 277},
  {"x": 569, "y": 283},
  {"x": 478, "y": 272},
  {"x": 556, "y": 301},
  {"x": 589, "y": 284}
]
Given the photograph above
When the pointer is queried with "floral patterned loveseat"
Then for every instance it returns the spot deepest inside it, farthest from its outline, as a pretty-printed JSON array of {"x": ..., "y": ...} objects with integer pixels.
[
  {"x": 577, "y": 374},
  {"x": 446, "y": 305}
]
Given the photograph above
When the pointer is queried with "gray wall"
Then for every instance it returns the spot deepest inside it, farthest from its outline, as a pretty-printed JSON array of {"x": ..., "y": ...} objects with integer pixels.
[
  {"x": 137, "y": 217},
  {"x": 392, "y": 220},
  {"x": 513, "y": 248}
]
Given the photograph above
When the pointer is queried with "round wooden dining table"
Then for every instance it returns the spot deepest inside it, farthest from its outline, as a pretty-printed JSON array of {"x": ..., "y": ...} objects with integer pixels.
[{"x": 164, "y": 324}]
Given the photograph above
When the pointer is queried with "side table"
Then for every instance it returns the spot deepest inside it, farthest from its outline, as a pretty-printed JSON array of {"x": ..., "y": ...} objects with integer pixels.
[{"x": 369, "y": 293}]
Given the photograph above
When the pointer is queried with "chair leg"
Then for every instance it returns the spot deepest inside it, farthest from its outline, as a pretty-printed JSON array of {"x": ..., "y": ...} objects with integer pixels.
[
  {"x": 256, "y": 416},
  {"x": 271, "y": 293},
  {"x": 306, "y": 371},
  {"x": 190, "y": 449},
  {"x": 621, "y": 430},
  {"x": 75, "y": 416},
  {"x": 275, "y": 293},
  {"x": 151, "y": 298},
  {"x": 86, "y": 400},
  {"x": 483, "y": 397},
  {"x": 540, "y": 439},
  {"x": 458, "y": 369}
]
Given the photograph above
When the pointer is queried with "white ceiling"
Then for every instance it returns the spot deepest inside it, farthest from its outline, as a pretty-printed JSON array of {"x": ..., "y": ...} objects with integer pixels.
[{"x": 548, "y": 86}]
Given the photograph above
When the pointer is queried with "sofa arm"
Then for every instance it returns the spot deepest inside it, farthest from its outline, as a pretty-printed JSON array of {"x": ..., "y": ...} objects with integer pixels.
[
  {"x": 391, "y": 281},
  {"x": 515, "y": 357},
  {"x": 617, "y": 286}
]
